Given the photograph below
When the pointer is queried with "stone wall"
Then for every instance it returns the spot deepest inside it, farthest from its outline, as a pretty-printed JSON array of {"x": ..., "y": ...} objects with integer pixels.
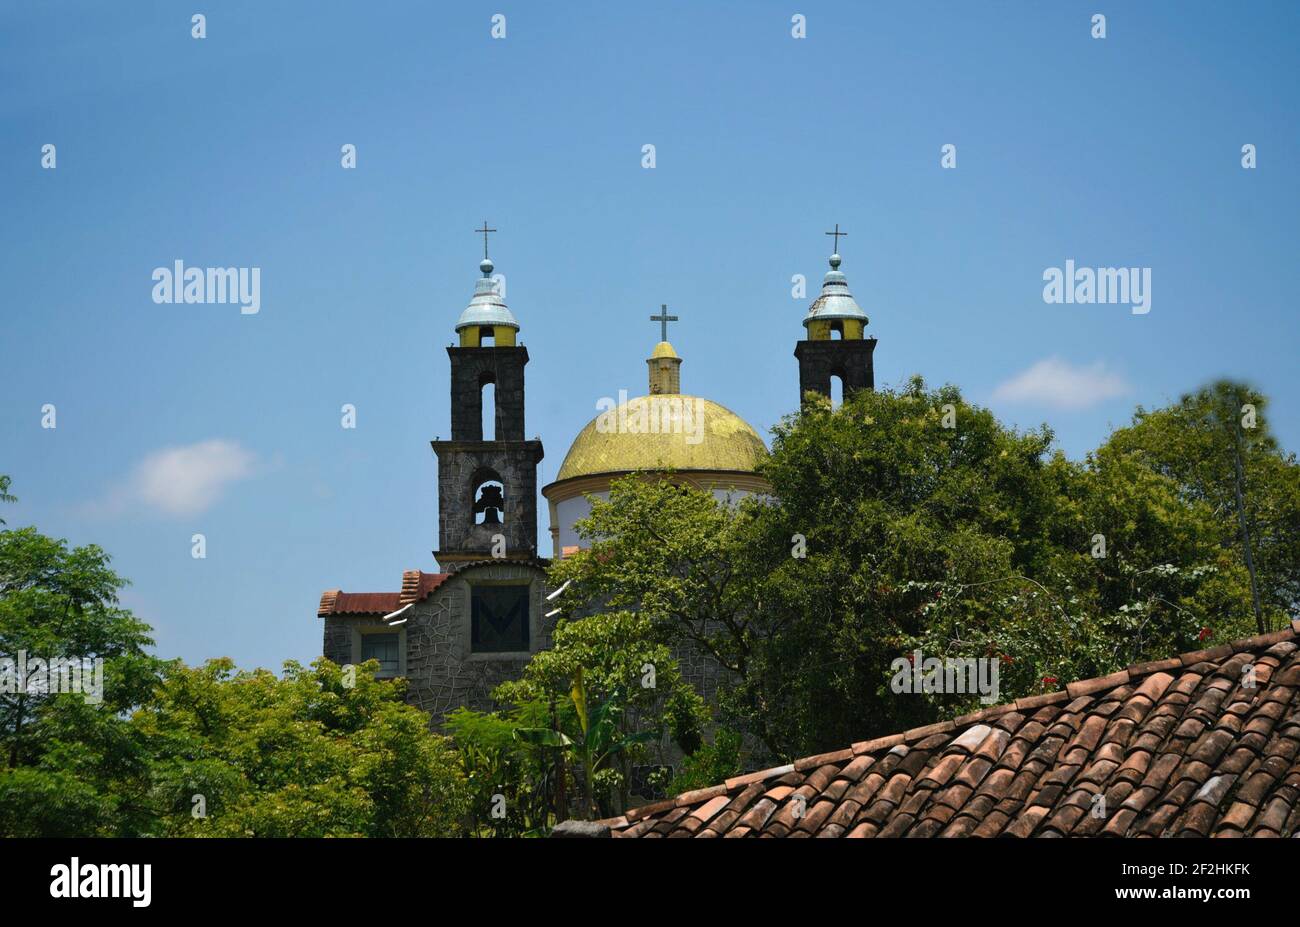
[
  {"x": 848, "y": 359},
  {"x": 460, "y": 463},
  {"x": 473, "y": 367},
  {"x": 444, "y": 675},
  {"x": 699, "y": 669},
  {"x": 442, "y": 672},
  {"x": 338, "y": 638}
]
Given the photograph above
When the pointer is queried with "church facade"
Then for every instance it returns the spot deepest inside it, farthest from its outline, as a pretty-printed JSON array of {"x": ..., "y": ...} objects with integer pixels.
[{"x": 457, "y": 633}]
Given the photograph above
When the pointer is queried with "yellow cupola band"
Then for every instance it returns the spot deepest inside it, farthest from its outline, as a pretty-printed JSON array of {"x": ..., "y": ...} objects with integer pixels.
[
  {"x": 503, "y": 336},
  {"x": 824, "y": 329}
]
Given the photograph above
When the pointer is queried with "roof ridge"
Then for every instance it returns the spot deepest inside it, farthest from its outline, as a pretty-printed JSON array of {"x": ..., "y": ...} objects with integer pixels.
[
  {"x": 1073, "y": 690},
  {"x": 542, "y": 563}
]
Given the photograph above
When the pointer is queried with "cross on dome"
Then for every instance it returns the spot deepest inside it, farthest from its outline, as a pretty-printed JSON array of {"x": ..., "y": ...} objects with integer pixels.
[{"x": 663, "y": 318}]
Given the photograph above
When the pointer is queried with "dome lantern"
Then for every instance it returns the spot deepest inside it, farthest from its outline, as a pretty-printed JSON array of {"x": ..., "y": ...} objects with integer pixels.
[
  {"x": 486, "y": 316},
  {"x": 665, "y": 366},
  {"x": 835, "y": 310}
]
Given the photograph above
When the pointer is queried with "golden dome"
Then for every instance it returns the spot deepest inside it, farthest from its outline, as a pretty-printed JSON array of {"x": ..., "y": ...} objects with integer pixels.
[
  {"x": 663, "y": 349},
  {"x": 664, "y": 432}
]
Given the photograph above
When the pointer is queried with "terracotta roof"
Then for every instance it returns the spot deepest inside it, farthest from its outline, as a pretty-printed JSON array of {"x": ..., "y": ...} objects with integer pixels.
[
  {"x": 1177, "y": 747},
  {"x": 416, "y": 587}
]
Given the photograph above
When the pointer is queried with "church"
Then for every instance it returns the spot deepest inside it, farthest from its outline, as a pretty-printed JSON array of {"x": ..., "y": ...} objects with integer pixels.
[{"x": 455, "y": 634}]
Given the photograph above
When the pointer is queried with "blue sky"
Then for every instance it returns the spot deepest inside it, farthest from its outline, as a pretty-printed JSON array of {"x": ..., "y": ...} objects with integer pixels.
[{"x": 225, "y": 151}]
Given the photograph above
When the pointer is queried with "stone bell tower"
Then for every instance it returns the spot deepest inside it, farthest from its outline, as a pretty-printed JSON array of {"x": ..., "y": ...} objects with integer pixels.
[
  {"x": 487, "y": 487},
  {"x": 837, "y": 345}
]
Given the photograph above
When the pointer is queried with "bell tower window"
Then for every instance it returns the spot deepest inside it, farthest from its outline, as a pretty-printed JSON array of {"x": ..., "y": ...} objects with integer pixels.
[
  {"x": 489, "y": 498},
  {"x": 488, "y": 400}
]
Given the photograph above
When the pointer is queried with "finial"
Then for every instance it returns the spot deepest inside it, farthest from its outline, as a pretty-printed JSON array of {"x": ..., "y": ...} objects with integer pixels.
[
  {"x": 485, "y": 231},
  {"x": 835, "y": 257},
  {"x": 486, "y": 266}
]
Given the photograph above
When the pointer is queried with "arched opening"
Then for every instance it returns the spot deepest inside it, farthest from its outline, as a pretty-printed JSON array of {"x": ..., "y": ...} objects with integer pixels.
[
  {"x": 486, "y": 336},
  {"x": 489, "y": 496},
  {"x": 837, "y": 330},
  {"x": 488, "y": 401},
  {"x": 837, "y": 390}
]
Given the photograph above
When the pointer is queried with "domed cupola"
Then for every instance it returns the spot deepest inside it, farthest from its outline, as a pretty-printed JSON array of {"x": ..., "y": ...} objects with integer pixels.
[
  {"x": 486, "y": 316},
  {"x": 837, "y": 345},
  {"x": 835, "y": 310},
  {"x": 702, "y": 443}
]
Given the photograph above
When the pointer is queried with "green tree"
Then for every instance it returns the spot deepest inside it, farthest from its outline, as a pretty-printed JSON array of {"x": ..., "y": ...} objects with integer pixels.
[
  {"x": 218, "y": 752},
  {"x": 901, "y": 519},
  {"x": 912, "y": 519},
  {"x": 318, "y": 752},
  {"x": 598, "y": 737},
  {"x": 170, "y": 750},
  {"x": 1217, "y": 448},
  {"x": 625, "y": 671},
  {"x": 668, "y": 559},
  {"x": 710, "y": 764},
  {"x": 4, "y": 493},
  {"x": 61, "y": 603},
  {"x": 514, "y": 787}
]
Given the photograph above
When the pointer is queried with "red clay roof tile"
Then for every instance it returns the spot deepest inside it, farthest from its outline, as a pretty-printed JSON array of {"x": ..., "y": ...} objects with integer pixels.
[
  {"x": 416, "y": 587},
  {"x": 1174, "y": 747}
]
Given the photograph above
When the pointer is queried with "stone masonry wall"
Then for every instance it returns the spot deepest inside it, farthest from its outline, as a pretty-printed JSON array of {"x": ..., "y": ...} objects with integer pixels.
[
  {"x": 443, "y": 674},
  {"x": 515, "y": 462},
  {"x": 850, "y": 360},
  {"x": 338, "y": 639}
]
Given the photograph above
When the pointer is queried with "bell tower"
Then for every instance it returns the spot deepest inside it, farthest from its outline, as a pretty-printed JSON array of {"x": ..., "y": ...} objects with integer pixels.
[
  {"x": 837, "y": 344},
  {"x": 487, "y": 485}
]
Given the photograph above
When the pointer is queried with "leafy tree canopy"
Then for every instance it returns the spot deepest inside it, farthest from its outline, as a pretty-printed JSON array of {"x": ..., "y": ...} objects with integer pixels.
[{"x": 913, "y": 520}]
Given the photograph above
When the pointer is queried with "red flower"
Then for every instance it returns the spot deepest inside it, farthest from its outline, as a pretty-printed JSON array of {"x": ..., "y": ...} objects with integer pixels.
[
  {"x": 1007, "y": 658},
  {"x": 1049, "y": 681},
  {"x": 1205, "y": 633}
]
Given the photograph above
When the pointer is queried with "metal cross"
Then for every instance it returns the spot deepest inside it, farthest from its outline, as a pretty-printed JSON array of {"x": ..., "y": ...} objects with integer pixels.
[
  {"x": 837, "y": 234},
  {"x": 485, "y": 231},
  {"x": 663, "y": 318}
]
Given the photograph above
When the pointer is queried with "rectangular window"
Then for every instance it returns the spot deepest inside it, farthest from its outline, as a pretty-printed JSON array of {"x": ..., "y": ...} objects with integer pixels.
[
  {"x": 382, "y": 647},
  {"x": 498, "y": 619}
]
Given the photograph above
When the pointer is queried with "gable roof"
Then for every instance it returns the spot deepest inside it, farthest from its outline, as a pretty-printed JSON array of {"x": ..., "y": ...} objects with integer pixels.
[
  {"x": 416, "y": 587},
  {"x": 1177, "y": 747}
]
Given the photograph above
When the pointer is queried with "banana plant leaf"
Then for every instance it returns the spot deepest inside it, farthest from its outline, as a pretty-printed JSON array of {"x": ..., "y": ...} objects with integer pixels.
[{"x": 542, "y": 737}]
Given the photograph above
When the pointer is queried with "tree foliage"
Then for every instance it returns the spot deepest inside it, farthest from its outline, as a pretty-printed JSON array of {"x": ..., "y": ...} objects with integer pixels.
[
  {"x": 580, "y": 716},
  {"x": 913, "y": 520},
  {"x": 205, "y": 751}
]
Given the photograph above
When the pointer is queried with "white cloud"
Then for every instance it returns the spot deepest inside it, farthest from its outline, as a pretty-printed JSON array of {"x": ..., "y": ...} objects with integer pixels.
[
  {"x": 184, "y": 480},
  {"x": 1057, "y": 383}
]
